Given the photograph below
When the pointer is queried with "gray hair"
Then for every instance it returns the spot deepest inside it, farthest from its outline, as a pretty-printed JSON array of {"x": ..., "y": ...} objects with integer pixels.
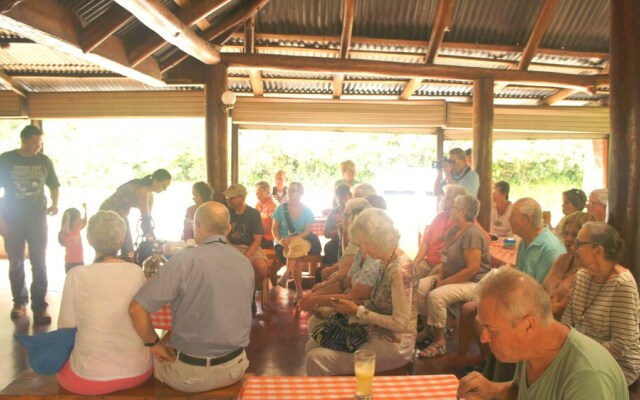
[
  {"x": 212, "y": 218},
  {"x": 458, "y": 152},
  {"x": 374, "y": 228},
  {"x": 602, "y": 195},
  {"x": 454, "y": 190},
  {"x": 605, "y": 235},
  {"x": 469, "y": 204},
  {"x": 531, "y": 208},
  {"x": 363, "y": 190},
  {"x": 354, "y": 207},
  {"x": 264, "y": 185},
  {"x": 516, "y": 294},
  {"x": 105, "y": 232}
]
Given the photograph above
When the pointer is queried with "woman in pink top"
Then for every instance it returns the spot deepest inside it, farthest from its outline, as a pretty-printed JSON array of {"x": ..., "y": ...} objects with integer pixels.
[
  {"x": 69, "y": 237},
  {"x": 432, "y": 240}
]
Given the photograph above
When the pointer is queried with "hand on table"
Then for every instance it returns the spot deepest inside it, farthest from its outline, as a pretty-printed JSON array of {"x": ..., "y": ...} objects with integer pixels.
[{"x": 475, "y": 386}]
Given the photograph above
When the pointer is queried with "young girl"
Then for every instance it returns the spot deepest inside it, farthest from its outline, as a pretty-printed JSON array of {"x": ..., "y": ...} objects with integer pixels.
[{"x": 69, "y": 237}]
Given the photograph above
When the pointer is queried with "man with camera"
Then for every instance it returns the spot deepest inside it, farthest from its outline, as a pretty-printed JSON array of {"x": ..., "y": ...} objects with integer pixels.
[{"x": 458, "y": 171}]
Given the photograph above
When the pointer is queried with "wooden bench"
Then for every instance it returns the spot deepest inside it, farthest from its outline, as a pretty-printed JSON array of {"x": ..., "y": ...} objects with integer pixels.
[{"x": 29, "y": 385}]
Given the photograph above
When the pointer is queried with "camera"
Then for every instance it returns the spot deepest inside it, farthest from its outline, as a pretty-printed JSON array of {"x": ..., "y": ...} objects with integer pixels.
[{"x": 438, "y": 163}]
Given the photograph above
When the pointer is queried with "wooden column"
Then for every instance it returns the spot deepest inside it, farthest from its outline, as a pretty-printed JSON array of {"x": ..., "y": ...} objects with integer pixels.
[
  {"x": 235, "y": 159},
  {"x": 624, "y": 105},
  {"x": 483, "y": 144},
  {"x": 439, "y": 154},
  {"x": 216, "y": 125}
]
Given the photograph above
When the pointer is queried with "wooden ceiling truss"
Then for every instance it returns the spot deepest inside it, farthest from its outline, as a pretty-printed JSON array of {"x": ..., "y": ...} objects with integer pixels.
[{"x": 189, "y": 29}]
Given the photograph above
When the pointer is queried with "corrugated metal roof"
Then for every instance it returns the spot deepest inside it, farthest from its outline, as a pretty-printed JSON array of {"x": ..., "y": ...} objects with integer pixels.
[
  {"x": 24, "y": 54},
  {"x": 301, "y": 16},
  {"x": 75, "y": 84},
  {"x": 86, "y": 10},
  {"x": 493, "y": 21},
  {"x": 398, "y": 19},
  {"x": 298, "y": 86},
  {"x": 525, "y": 93},
  {"x": 579, "y": 25},
  {"x": 405, "y": 26}
]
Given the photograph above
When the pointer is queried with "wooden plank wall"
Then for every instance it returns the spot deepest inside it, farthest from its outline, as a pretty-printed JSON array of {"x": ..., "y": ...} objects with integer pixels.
[{"x": 517, "y": 122}]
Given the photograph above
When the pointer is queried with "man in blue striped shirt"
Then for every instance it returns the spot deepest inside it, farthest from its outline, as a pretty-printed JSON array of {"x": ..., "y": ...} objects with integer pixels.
[{"x": 209, "y": 288}]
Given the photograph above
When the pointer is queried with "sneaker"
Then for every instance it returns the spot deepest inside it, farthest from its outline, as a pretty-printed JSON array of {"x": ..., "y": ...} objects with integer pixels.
[
  {"x": 41, "y": 317},
  {"x": 18, "y": 311}
]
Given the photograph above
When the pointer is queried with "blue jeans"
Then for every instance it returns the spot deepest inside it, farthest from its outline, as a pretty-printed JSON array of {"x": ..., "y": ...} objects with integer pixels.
[{"x": 32, "y": 230}]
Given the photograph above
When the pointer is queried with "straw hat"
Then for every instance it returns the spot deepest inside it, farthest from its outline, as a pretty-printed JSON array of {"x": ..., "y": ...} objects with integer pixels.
[{"x": 298, "y": 248}]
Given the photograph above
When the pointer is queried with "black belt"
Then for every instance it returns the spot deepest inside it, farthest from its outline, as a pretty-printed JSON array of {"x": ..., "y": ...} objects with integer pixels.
[{"x": 204, "y": 362}]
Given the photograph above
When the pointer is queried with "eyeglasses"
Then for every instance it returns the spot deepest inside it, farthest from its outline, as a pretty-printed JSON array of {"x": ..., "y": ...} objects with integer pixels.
[{"x": 580, "y": 243}]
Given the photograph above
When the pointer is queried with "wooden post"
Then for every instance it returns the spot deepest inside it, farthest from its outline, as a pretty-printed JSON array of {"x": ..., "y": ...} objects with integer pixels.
[
  {"x": 235, "y": 160},
  {"x": 624, "y": 105},
  {"x": 483, "y": 144},
  {"x": 439, "y": 153},
  {"x": 216, "y": 126}
]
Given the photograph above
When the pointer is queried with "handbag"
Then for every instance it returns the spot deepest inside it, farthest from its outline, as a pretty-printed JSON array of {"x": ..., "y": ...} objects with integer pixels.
[
  {"x": 316, "y": 246},
  {"x": 336, "y": 333}
]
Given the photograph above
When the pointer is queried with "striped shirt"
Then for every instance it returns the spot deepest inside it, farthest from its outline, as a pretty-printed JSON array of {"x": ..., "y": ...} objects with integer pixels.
[
  {"x": 210, "y": 289},
  {"x": 611, "y": 317}
]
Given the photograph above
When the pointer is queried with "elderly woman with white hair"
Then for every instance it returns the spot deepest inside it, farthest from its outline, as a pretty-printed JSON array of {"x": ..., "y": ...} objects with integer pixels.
[
  {"x": 391, "y": 313},
  {"x": 597, "y": 204},
  {"x": 108, "y": 354},
  {"x": 465, "y": 260}
]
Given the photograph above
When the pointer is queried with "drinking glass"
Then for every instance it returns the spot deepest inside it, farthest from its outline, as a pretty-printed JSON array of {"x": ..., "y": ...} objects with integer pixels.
[{"x": 365, "y": 366}]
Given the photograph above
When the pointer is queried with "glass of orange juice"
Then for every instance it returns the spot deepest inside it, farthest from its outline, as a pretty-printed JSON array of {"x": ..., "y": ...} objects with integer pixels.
[{"x": 365, "y": 366}]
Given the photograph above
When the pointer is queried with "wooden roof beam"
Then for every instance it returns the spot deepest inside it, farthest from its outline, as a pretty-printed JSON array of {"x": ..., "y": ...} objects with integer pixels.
[
  {"x": 441, "y": 24},
  {"x": 559, "y": 96},
  {"x": 104, "y": 26},
  {"x": 7, "y": 81},
  {"x": 405, "y": 70},
  {"x": 255, "y": 77},
  {"x": 541, "y": 24},
  {"x": 49, "y": 24},
  {"x": 191, "y": 14},
  {"x": 203, "y": 23},
  {"x": 166, "y": 24},
  {"x": 224, "y": 30},
  {"x": 421, "y": 43},
  {"x": 348, "y": 14}
]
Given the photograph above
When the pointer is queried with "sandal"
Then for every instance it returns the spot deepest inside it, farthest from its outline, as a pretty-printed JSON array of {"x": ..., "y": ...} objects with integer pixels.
[{"x": 433, "y": 350}]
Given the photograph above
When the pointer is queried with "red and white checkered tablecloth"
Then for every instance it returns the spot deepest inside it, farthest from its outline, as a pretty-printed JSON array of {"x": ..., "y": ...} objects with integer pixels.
[
  {"x": 344, "y": 387},
  {"x": 318, "y": 226},
  {"x": 161, "y": 319}
]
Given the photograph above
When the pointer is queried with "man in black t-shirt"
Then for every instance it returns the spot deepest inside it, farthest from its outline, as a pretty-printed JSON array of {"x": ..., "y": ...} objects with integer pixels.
[
  {"x": 23, "y": 174},
  {"x": 246, "y": 230}
]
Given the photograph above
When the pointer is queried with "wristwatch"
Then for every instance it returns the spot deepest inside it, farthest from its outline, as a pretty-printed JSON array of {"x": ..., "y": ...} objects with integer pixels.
[{"x": 151, "y": 344}]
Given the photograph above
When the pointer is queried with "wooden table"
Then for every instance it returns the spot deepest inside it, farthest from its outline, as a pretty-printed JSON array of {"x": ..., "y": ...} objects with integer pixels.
[
  {"x": 344, "y": 387},
  {"x": 501, "y": 256}
]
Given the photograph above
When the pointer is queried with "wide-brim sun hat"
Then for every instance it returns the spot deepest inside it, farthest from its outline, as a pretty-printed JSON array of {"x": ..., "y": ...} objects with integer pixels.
[{"x": 298, "y": 248}]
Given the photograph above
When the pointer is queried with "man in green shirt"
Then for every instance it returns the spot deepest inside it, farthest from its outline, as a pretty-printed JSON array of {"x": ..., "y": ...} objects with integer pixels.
[{"x": 553, "y": 360}]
